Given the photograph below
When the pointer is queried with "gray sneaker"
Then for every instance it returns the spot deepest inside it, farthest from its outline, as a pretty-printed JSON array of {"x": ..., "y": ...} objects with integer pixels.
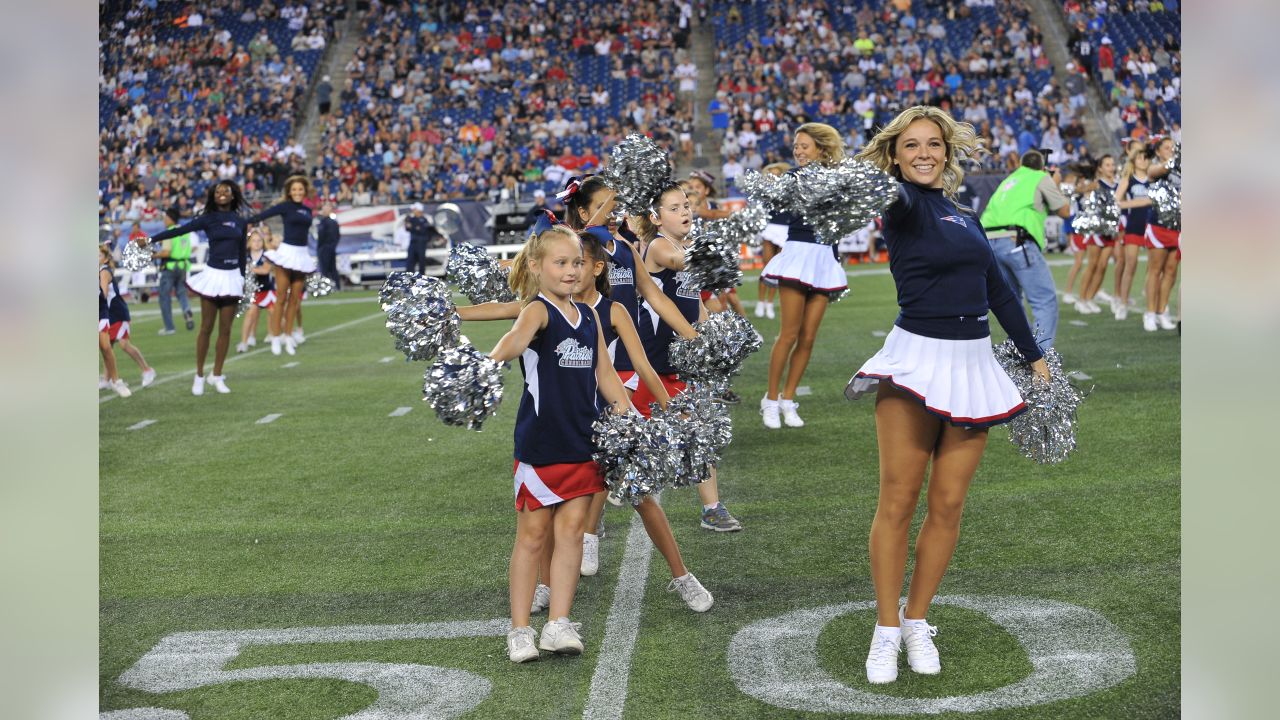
[
  {"x": 520, "y": 645},
  {"x": 541, "y": 599},
  {"x": 719, "y": 519},
  {"x": 691, "y": 591}
]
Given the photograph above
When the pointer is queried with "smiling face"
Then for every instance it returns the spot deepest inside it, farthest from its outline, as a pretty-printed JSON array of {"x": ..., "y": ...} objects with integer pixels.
[
  {"x": 297, "y": 192},
  {"x": 560, "y": 267},
  {"x": 1108, "y": 167},
  {"x": 920, "y": 153},
  {"x": 223, "y": 195},
  {"x": 592, "y": 269},
  {"x": 599, "y": 207},
  {"x": 674, "y": 213},
  {"x": 805, "y": 149}
]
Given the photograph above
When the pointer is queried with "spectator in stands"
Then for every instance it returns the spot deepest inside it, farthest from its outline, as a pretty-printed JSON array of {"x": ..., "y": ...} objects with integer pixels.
[{"x": 421, "y": 232}]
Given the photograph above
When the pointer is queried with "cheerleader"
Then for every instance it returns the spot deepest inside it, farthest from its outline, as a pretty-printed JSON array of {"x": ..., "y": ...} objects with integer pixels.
[
  {"x": 938, "y": 386},
  {"x": 1100, "y": 248},
  {"x": 1131, "y": 196},
  {"x": 1074, "y": 239},
  {"x": 808, "y": 275},
  {"x": 701, "y": 189},
  {"x": 113, "y": 327},
  {"x": 772, "y": 239},
  {"x": 291, "y": 261},
  {"x": 561, "y": 349},
  {"x": 664, "y": 233},
  {"x": 221, "y": 284},
  {"x": 1164, "y": 253},
  {"x": 265, "y": 297}
]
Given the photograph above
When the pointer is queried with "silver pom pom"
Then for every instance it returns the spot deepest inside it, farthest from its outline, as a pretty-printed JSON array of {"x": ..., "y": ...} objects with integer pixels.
[
  {"x": 478, "y": 275},
  {"x": 135, "y": 257},
  {"x": 1046, "y": 432},
  {"x": 712, "y": 259},
  {"x": 637, "y": 170},
  {"x": 634, "y": 455},
  {"x": 251, "y": 289},
  {"x": 1166, "y": 201},
  {"x": 1099, "y": 214},
  {"x": 463, "y": 386},
  {"x": 837, "y": 199},
  {"x": 704, "y": 428},
  {"x": 1175, "y": 163},
  {"x": 318, "y": 285},
  {"x": 724, "y": 342},
  {"x": 420, "y": 314}
]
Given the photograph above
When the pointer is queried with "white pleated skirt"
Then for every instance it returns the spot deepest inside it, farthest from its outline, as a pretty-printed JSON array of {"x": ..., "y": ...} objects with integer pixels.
[
  {"x": 215, "y": 284},
  {"x": 811, "y": 265},
  {"x": 957, "y": 380},
  {"x": 293, "y": 257}
]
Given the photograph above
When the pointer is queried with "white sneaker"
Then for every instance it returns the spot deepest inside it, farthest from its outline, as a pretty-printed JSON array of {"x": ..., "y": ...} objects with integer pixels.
[
  {"x": 541, "y": 600},
  {"x": 148, "y": 377},
  {"x": 121, "y": 388},
  {"x": 561, "y": 636},
  {"x": 1122, "y": 312},
  {"x": 290, "y": 345},
  {"x": 275, "y": 344},
  {"x": 768, "y": 311},
  {"x": 253, "y": 341},
  {"x": 1149, "y": 322},
  {"x": 242, "y": 347},
  {"x": 197, "y": 385},
  {"x": 789, "y": 414},
  {"x": 882, "y": 659},
  {"x": 1104, "y": 296},
  {"x": 1068, "y": 298},
  {"x": 1165, "y": 320},
  {"x": 103, "y": 383},
  {"x": 759, "y": 308},
  {"x": 1082, "y": 307},
  {"x": 520, "y": 646},
  {"x": 590, "y": 555},
  {"x": 1093, "y": 308},
  {"x": 220, "y": 383},
  {"x": 1115, "y": 303},
  {"x": 769, "y": 409},
  {"x": 298, "y": 336},
  {"x": 692, "y": 592},
  {"x": 917, "y": 635}
]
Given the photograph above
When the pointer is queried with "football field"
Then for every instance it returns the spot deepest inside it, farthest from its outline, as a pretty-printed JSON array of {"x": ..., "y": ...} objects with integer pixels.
[{"x": 317, "y": 545}]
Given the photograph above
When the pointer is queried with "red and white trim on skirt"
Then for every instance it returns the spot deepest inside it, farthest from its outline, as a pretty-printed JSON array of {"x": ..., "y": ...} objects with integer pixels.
[
  {"x": 976, "y": 423},
  {"x": 542, "y": 486}
]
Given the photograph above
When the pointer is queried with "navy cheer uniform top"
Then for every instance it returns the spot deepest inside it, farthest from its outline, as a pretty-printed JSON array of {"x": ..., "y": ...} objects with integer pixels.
[
  {"x": 622, "y": 289},
  {"x": 1135, "y": 219},
  {"x": 553, "y": 424},
  {"x": 604, "y": 309},
  {"x": 226, "y": 232},
  {"x": 946, "y": 273},
  {"x": 117, "y": 310},
  {"x": 296, "y": 218},
  {"x": 268, "y": 281},
  {"x": 678, "y": 286}
]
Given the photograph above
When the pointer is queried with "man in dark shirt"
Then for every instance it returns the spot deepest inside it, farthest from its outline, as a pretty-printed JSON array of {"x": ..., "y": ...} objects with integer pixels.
[
  {"x": 328, "y": 234},
  {"x": 421, "y": 234}
]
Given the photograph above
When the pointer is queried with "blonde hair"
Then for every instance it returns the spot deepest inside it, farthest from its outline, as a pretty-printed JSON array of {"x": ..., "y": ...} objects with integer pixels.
[
  {"x": 647, "y": 229},
  {"x": 961, "y": 140},
  {"x": 306, "y": 184},
  {"x": 827, "y": 138},
  {"x": 522, "y": 280},
  {"x": 777, "y": 168}
]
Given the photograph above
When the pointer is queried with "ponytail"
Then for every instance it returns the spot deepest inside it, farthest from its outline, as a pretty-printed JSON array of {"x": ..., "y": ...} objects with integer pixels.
[
  {"x": 522, "y": 280},
  {"x": 580, "y": 198},
  {"x": 592, "y": 249},
  {"x": 646, "y": 229}
]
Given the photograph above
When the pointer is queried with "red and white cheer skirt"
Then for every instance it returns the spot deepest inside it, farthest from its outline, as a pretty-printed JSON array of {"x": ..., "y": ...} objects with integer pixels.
[{"x": 812, "y": 265}]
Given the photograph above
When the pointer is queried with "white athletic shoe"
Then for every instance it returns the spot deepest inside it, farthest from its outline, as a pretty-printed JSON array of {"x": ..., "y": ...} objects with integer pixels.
[
  {"x": 590, "y": 555},
  {"x": 1122, "y": 311},
  {"x": 561, "y": 636},
  {"x": 275, "y": 344},
  {"x": 121, "y": 388},
  {"x": 789, "y": 414},
  {"x": 769, "y": 409},
  {"x": 298, "y": 336},
  {"x": 759, "y": 308},
  {"x": 1104, "y": 296},
  {"x": 253, "y": 341},
  {"x": 1082, "y": 307},
  {"x": 541, "y": 601},
  {"x": 1149, "y": 322},
  {"x": 103, "y": 383},
  {"x": 917, "y": 635},
  {"x": 242, "y": 347},
  {"x": 1093, "y": 308},
  {"x": 768, "y": 311},
  {"x": 520, "y": 647},
  {"x": 148, "y": 377},
  {"x": 1068, "y": 298},
  {"x": 197, "y": 385},
  {"x": 1115, "y": 303},
  {"x": 220, "y": 383},
  {"x": 1165, "y": 320},
  {"x": 290, "y": 345},
  {"x": 692, "y": 592},
  {"x": 882, "y": 659}
]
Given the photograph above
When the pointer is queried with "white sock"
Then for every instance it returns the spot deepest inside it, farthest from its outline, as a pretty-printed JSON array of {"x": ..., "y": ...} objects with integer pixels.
[
  {"x": 709, "y": 508},
  {"x": 891, "y": 632},
  {"x": 587, "y": 535},
  {"x": 685, "y": 576},
  {"x": 907, "y": 619}
]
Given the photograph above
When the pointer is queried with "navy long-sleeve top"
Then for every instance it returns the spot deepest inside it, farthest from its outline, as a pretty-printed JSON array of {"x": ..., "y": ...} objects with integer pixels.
[
  {"x": 946, "y": 273},
  {"x": 328, "y": 232},
  {"x": 226, "y": 232},
  {"x": 296, "y": 218}
]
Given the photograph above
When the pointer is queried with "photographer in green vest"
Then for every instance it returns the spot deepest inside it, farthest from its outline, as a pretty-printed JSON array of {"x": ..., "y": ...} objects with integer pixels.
[
  {"x": 1014, "y": 222},
  {"x": 175, "y": 261}
]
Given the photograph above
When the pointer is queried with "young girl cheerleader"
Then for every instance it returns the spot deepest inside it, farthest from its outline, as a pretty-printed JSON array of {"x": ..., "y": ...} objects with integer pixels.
[
  {"x": 265, "y": 297},
  {"x": 1131, "y": 195},
  {"x": 772, "y": 240},
  {"x": 221, "y": 283},
  {"x": 937, "y": 381},
  {"x": 561, "y": 350},
  {"x": 291, "y": 260},
  {"x": 808, "y": 275},
  {"x": 1100, "y": 248},
  {"x": 1163, "y": 254},
  {"x": 116, "y": 329},
  {"x": 701, "y": 189},
  {"x": 1074, "y": 238},
  {"x": 664, "y": 232}
]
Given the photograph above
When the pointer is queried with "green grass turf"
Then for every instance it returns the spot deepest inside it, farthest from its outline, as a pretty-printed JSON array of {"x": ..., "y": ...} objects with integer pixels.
[{"x": 336, "y": 514}]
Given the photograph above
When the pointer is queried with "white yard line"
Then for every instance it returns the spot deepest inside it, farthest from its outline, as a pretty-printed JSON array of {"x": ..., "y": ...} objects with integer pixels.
[
  {"x": 608, "y": 694},
  {"x": 251, "y": 353},
  {"x": 293, "y": 364},
  {"x": 140, "y": 425},
  {"x": 400, "y": 411},
  {"x": 267, "y": 419}
]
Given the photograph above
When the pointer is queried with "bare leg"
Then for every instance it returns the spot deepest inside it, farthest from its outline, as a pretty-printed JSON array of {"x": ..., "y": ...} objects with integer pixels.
[
  {"x": 659, "y": 530},
  {"x": 1130, "y": 268},
  {"x": 1121, "y": 263},
  {"x": 1097, "y": 271},
  {"x": 791, "y": 318},
  {"x": 296, "y": 284},
  {"x": 1155, "y": 271},
  {"x": 955, "y": 460},
  {"x": 275, "y": 315},
  {"x": 731, "y": 299},
  {"x": 709, "y": 490},
  {"x": 208, "y": 315},
  {"x": 1169, "y": 278},
  {"x": 132, "y": 351},
  {"x": 906, "y": 434},
  {"x": 249, "y": 327},
  {"x": 814, "y": 308},
  {"x": 226, "y": 319},
  {"x": 766, "y": 291},
  {"x": 1075, "y": 269},
  {"x": 108, "y": 356},
  {"x": 566, "y": 562},
  {"x": 532, "y": 528}
]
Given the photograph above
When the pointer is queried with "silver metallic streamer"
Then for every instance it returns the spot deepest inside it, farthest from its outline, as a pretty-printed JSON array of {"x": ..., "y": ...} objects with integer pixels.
[
  {"x": 1046, "y": 432},
  {"x": 712, "y": 259},
  {"x": 705, "y": 430},
  {"x": 1098, "y": 214},
  {"x": 634, "y": 454},
  {"x": 318, "y": 285},
  {"x": 637, "y": 170},
  {"x": 1175, "y": 163},
  {"x": 724, "y": 342},
  {"x": 135, "y": 257},
  {"x": 463, "y": 386},
  {"x": 837, "y": 199},
  {"x": 478, "y": 275},
  {"x": 251, "y": 288},
  {"x": 1166, "y": 200},
  {"x": 420, "y": 314}
]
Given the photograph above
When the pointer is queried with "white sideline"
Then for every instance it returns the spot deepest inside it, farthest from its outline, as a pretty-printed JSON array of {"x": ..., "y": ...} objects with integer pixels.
[{"x": 251, "y": 353}]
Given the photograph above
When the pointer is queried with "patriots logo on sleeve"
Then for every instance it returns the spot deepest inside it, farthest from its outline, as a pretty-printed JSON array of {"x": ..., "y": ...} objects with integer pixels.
[
  {"x": 230, "y": 224},
  {"x": 955, "y": 219}
]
